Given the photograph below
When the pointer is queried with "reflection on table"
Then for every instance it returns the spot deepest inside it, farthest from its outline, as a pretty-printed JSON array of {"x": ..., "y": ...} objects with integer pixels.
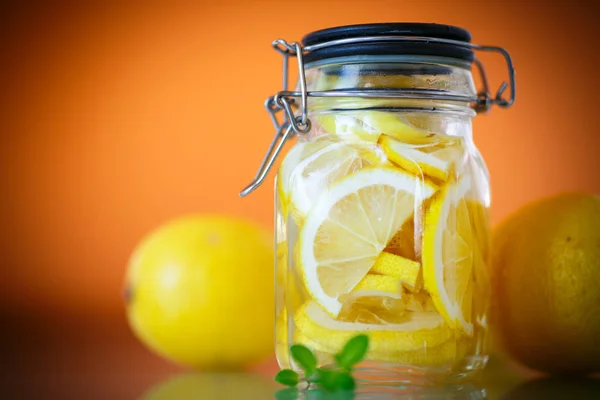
[
  {"x": 236, "y": 386},
  {"x": 94, "y": 358}
]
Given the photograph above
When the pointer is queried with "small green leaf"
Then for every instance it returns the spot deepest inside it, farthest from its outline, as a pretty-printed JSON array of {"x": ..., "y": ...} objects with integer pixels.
[
  {"x": 353, "y": 352},
  {"x": 290, "y": 393},
  {"x": 287, "y": 377},
  {"x": 314, "y": 377},
  {"x": 345, "y": 381},
  {"x": 328, "y": 379},
  {"x": 304, "y": 357}
]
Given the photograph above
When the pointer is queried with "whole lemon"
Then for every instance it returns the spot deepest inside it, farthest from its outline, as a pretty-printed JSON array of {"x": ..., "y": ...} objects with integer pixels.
[
  {"x": 546, "y": 282},
  {"x": 199, "y": 291}
]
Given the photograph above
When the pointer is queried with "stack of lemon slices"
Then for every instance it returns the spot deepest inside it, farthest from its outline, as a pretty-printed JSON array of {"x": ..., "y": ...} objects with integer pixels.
[{"x": 388, "y": 240}]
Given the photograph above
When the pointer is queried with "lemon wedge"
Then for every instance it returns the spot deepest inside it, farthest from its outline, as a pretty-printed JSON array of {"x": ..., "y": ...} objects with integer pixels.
[
  {"x": 417, "y": 331},
  {"x": 350, "y": 126},
  {"x": 407, "y": 271},
  {"x": 404, "y": 244},
  {"x": 414, "y": 160},
  {"x": 378, "y": 285},
  {"x": 370, "y": 125},
  {"x": 448, "y": 255},
  {"x": 418, "y": 301},
  {"x": 348, "y": 227}
]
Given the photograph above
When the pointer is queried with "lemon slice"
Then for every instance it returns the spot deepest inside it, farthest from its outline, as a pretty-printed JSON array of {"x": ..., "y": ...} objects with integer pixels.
[
  {"x": 448, "y": 255},
  {"x": 480, "y": 223},
  {"x": 378, "y": 285},
  {"x": 444, "y": 354},
  {"x": 418, "y": 330},
  {"x": 349, "y": 126},
  {"x": 288, "y": 164},
  {"x": 370, "y": 125},
  {"x": 404, "y": 244},
  {"x": 418, "y": 301},
  {"x": 372, "y": 154},
  {"x": 323, "y": 357},
  {"x": 414, "y": 160},
  {"x": 323, "y": 162},
  {"x": 349, "y": 226},
  {"x": 407, "y": 271}
]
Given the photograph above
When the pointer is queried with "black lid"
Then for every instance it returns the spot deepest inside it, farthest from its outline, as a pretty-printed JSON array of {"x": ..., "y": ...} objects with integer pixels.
[{"x": 387, "y": 47}]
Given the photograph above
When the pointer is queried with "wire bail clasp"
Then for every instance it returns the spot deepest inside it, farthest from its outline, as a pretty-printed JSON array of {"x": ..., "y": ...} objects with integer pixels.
[
  {"x": 484, "y": 99},
  {"x": 283, "y": 101}
]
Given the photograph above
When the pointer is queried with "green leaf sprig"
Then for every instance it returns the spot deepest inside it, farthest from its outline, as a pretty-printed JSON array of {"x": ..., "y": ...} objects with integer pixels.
[{"x": 329, "y": 379}]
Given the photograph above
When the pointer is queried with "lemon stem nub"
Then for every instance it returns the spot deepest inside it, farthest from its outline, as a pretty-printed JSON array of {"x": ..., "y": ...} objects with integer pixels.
[{"x": 128, "y": 294}]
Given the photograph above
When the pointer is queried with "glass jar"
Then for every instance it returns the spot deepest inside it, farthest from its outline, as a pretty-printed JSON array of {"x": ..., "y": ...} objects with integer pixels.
[{"x": 382, "y": 204}]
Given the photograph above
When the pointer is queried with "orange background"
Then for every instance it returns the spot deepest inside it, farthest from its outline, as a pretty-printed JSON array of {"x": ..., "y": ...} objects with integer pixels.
[{"x": 117, "y": 118}]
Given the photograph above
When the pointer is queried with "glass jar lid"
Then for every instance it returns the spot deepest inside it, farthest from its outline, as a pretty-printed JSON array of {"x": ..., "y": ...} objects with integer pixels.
[{"x": 375, "y": 40}]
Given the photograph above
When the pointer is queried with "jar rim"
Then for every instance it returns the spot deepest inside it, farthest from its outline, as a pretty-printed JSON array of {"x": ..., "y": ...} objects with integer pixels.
[
  {"x": 454, "y": 43},
  {"x": 393, "y": 58}
]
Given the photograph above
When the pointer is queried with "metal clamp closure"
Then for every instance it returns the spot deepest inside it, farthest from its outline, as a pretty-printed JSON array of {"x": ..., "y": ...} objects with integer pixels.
[{"x": 285, "y": 100}]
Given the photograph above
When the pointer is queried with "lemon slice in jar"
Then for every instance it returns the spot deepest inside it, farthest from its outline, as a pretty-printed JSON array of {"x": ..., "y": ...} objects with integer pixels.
[
  {"x": 322, "y": 162},
  {"x": 415, "y": 331},
  {"x": 404, "y": 244},
  {"x": 359, "y": 125},
  {"x": 434, "y": 165},
  {"x": 418, "y": 301},
  {"x": 370, "y": 125},
  {"x": 298, "y": 153},
  {"x": 480, "y": 223},
  {"x": 349, "y": 226},
  {"x": 443, "y": 354},
  {"x": 374, "y": 285},
  {"x": 448, "y": 255},
  {"x": 388, "y": 264},
  {"x": 288, "y": 164}
]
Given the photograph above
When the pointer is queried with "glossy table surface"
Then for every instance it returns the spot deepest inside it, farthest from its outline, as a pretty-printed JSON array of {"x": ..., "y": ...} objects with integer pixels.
[{"x": 54, "y": 357}]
